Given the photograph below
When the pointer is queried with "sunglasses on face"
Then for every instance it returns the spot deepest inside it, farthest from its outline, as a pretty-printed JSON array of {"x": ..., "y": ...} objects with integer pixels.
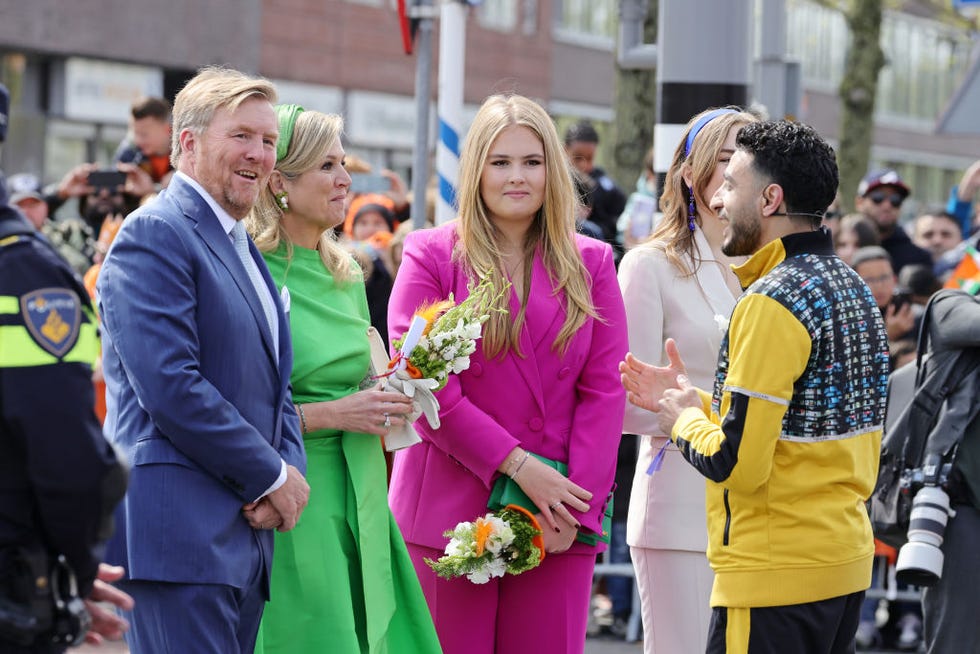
[{"x": 896, "y": 199}]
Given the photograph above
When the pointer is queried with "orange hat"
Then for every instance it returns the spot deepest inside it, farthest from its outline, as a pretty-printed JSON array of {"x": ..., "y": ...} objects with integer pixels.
[{"x": 370, "y": 202}]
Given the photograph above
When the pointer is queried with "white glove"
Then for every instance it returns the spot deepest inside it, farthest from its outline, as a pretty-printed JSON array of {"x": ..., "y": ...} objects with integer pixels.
[
  {"x": 420, "y": 390},
  {"x": 423, "y": 402}
]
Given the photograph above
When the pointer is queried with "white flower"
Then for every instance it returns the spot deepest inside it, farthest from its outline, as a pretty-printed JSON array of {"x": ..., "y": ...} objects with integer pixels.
[
  {"x": 463, "y": 530},
  {"x": 455, "y": 548},
  {"x": 473, "y": 331},
  {"x": 497, "y": 567},
  {"x": 481, "y": 576},
  {"x": 460, "y": 364}
]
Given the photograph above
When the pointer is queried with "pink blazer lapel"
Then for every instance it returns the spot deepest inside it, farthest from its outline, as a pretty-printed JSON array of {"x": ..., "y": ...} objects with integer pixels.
[
  {"x": 536, "y": 325},
  {"x": 545, "y": 311}
]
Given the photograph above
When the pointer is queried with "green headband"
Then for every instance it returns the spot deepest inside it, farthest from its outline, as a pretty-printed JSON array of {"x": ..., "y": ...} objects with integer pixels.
[{"x": 287, "y": 115}]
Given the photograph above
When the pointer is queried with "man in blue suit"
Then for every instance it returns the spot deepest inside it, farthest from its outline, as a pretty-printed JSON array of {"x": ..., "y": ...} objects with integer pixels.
[{"x": 197, "y": 357}]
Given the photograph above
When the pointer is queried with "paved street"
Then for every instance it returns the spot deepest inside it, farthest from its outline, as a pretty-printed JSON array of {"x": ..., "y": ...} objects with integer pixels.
[{"x": 592, "y": 646}]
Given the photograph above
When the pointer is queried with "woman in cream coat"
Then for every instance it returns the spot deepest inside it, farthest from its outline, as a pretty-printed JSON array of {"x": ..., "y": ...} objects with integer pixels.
[{"x": 678, "y": 285}]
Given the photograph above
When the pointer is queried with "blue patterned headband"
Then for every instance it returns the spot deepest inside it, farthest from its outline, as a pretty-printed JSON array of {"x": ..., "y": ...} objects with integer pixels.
[{"x": 698, "y": 126}]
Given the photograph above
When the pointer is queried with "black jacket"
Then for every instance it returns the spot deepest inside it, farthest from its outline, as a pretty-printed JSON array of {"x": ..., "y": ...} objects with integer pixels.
[{"x": 59, "y": 478}]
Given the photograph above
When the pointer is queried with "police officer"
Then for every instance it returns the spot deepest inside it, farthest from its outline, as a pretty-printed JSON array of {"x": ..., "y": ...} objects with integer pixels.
[{"x": 59, "y": 478}]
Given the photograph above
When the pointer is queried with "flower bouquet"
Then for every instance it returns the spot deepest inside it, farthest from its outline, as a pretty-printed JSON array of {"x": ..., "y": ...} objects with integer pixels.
[
  {"x": 439, "y": 342},
  {"x": 504, "y": 541}
]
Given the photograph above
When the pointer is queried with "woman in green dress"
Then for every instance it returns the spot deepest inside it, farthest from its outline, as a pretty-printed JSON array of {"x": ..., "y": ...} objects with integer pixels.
[{"x": 342, "y": 580}]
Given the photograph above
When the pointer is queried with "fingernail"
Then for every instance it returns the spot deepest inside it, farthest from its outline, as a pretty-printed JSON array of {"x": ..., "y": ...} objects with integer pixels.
[
  {"x": 578, "y": 526},
  {"x": 558, "y": 529}
]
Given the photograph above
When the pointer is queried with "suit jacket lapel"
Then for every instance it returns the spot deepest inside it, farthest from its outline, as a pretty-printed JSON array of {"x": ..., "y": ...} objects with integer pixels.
[
  {"x": 711, "y": 279},
  {"x": 209, "y": 228},
  {"x": 540, "y": 301}
]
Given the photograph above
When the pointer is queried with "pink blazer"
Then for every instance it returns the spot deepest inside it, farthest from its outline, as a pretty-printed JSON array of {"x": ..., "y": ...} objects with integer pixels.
[{"x": 566, "y": 407}]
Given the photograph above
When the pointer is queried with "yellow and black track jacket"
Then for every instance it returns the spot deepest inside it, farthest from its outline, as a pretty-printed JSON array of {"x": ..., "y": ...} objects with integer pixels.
[{"x": 790, "y": 439}]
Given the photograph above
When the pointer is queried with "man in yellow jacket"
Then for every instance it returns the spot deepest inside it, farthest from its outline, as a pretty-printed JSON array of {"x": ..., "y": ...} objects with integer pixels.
[{"x": 789, "y": 439}]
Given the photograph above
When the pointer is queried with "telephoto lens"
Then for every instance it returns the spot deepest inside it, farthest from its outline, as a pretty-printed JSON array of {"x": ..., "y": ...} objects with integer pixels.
[{"x": 920, "y": 561}]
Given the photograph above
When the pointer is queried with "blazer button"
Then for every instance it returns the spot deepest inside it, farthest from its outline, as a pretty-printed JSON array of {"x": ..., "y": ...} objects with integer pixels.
[
  {"x": 476, "y": 369},
  {"x": 564, "y": 372},
  {"x": 535, "y": 424}
]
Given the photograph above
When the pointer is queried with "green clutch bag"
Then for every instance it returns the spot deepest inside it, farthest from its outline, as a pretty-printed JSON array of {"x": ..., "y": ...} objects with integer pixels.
[{"x": 506, "y": 491}]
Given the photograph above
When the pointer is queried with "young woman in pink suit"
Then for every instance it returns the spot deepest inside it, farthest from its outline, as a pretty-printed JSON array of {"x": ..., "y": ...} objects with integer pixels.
[
  {"x": 678, "y": 285},
  {"x": 543, "y": 380}
]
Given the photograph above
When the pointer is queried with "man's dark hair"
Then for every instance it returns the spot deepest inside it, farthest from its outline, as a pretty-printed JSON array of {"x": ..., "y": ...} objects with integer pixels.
[
  {"x": 151, "y": 107},
  {"x": 938, "y": 212},
  {"x": 581, "y": 132},
  {"x": 794, "y": 156}
]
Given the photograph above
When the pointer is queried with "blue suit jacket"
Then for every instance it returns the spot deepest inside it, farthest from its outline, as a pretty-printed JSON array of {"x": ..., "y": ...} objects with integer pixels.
[{"x": 197, "y": 398}]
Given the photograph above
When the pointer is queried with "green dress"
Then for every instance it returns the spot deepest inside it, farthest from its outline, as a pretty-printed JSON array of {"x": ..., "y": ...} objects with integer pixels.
[{"x": 342, "y": 580}]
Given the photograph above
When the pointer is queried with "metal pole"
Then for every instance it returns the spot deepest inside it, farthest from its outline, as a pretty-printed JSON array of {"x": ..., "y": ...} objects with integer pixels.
[
  {"x": 692, "y": 79},
  {"x": 772, "y": 91},
  {"x": 423, "y": 85},
  {"x": 452, "y": 64}
]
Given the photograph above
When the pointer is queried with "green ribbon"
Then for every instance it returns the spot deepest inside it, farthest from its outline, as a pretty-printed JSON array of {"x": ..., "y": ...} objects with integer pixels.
[{"x": 287, "y": 115}]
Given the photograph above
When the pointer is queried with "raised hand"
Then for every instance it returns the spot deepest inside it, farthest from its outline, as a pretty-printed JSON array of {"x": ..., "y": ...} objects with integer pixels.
[
  {"x": 675, "y": 400},
  {"x": 645, "y": 383}
]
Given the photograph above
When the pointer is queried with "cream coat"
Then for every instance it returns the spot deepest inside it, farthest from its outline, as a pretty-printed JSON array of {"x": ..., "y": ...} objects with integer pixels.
[{"x": 667, "y": 510}]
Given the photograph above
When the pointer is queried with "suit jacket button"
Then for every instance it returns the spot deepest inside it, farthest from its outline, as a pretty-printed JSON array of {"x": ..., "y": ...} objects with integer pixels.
[
  {"x": 535, "y": 424},
  {"x": 476, "y": 369},
  {"x": 564, "y": 372}
]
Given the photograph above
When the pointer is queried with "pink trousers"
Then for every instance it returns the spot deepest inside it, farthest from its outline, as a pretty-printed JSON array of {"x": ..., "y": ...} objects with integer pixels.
[{"x": 544, "y": 610}]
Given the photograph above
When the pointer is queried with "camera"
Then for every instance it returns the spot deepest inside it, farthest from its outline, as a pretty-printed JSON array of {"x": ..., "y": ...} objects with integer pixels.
[
  {"x": 920, "y": 560},
  {"x": 109, "y": 179}
]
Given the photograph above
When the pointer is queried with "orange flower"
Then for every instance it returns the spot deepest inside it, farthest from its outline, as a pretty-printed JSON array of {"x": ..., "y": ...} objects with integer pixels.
[
  {"x": 412, "y": 371},
  {"x": 484, "y": 529},
  {"x": 431, "y": 312}
]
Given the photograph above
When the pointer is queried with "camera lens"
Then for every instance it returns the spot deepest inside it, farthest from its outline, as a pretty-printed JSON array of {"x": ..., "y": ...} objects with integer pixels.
[{"x": 920, "y": 561}]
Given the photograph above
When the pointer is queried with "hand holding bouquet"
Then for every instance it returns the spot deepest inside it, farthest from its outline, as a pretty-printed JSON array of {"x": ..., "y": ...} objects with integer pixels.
[
  {"x": 439, "y": 342},
  {"x": 504, "y": 541}
]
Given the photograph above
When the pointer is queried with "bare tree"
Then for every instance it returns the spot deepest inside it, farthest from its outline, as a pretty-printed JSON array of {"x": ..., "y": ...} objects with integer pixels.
[
  {"x": 635, "y": 108},
  {"x": 858, "y": 90}
]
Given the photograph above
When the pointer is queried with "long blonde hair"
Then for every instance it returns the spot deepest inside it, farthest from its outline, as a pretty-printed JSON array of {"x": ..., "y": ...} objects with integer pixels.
[
  {"x": 673, "y": 233},
  {"x": 313, "y": 135},
  {"x": 553, "y": 229}
]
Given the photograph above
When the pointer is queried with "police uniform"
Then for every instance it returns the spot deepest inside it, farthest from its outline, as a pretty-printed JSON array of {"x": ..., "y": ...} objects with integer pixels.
[{"x": 59, "y": 478}]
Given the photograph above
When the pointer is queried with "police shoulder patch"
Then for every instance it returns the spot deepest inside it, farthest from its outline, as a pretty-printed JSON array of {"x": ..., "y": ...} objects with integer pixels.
[{"x": 53, "y": 317}]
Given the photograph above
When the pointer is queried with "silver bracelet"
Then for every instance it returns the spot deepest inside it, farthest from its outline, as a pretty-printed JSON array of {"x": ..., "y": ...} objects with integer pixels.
[
  {"x": 513, "y": 464},
  {"x": 302, "y": 418},
  {"x": 520, "y": 465}
]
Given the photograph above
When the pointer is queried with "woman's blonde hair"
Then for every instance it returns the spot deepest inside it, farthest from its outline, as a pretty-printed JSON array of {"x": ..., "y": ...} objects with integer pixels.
[
  {"x": 673, "y": 233},
  {"x": 211, "y": 89},
  {"x": 553, "y": 229},
  {"x": 313, "y": 135}
]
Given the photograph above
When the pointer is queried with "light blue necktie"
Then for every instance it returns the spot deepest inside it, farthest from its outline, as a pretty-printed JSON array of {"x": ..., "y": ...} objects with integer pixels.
[{"x": 241, "y": 248}]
